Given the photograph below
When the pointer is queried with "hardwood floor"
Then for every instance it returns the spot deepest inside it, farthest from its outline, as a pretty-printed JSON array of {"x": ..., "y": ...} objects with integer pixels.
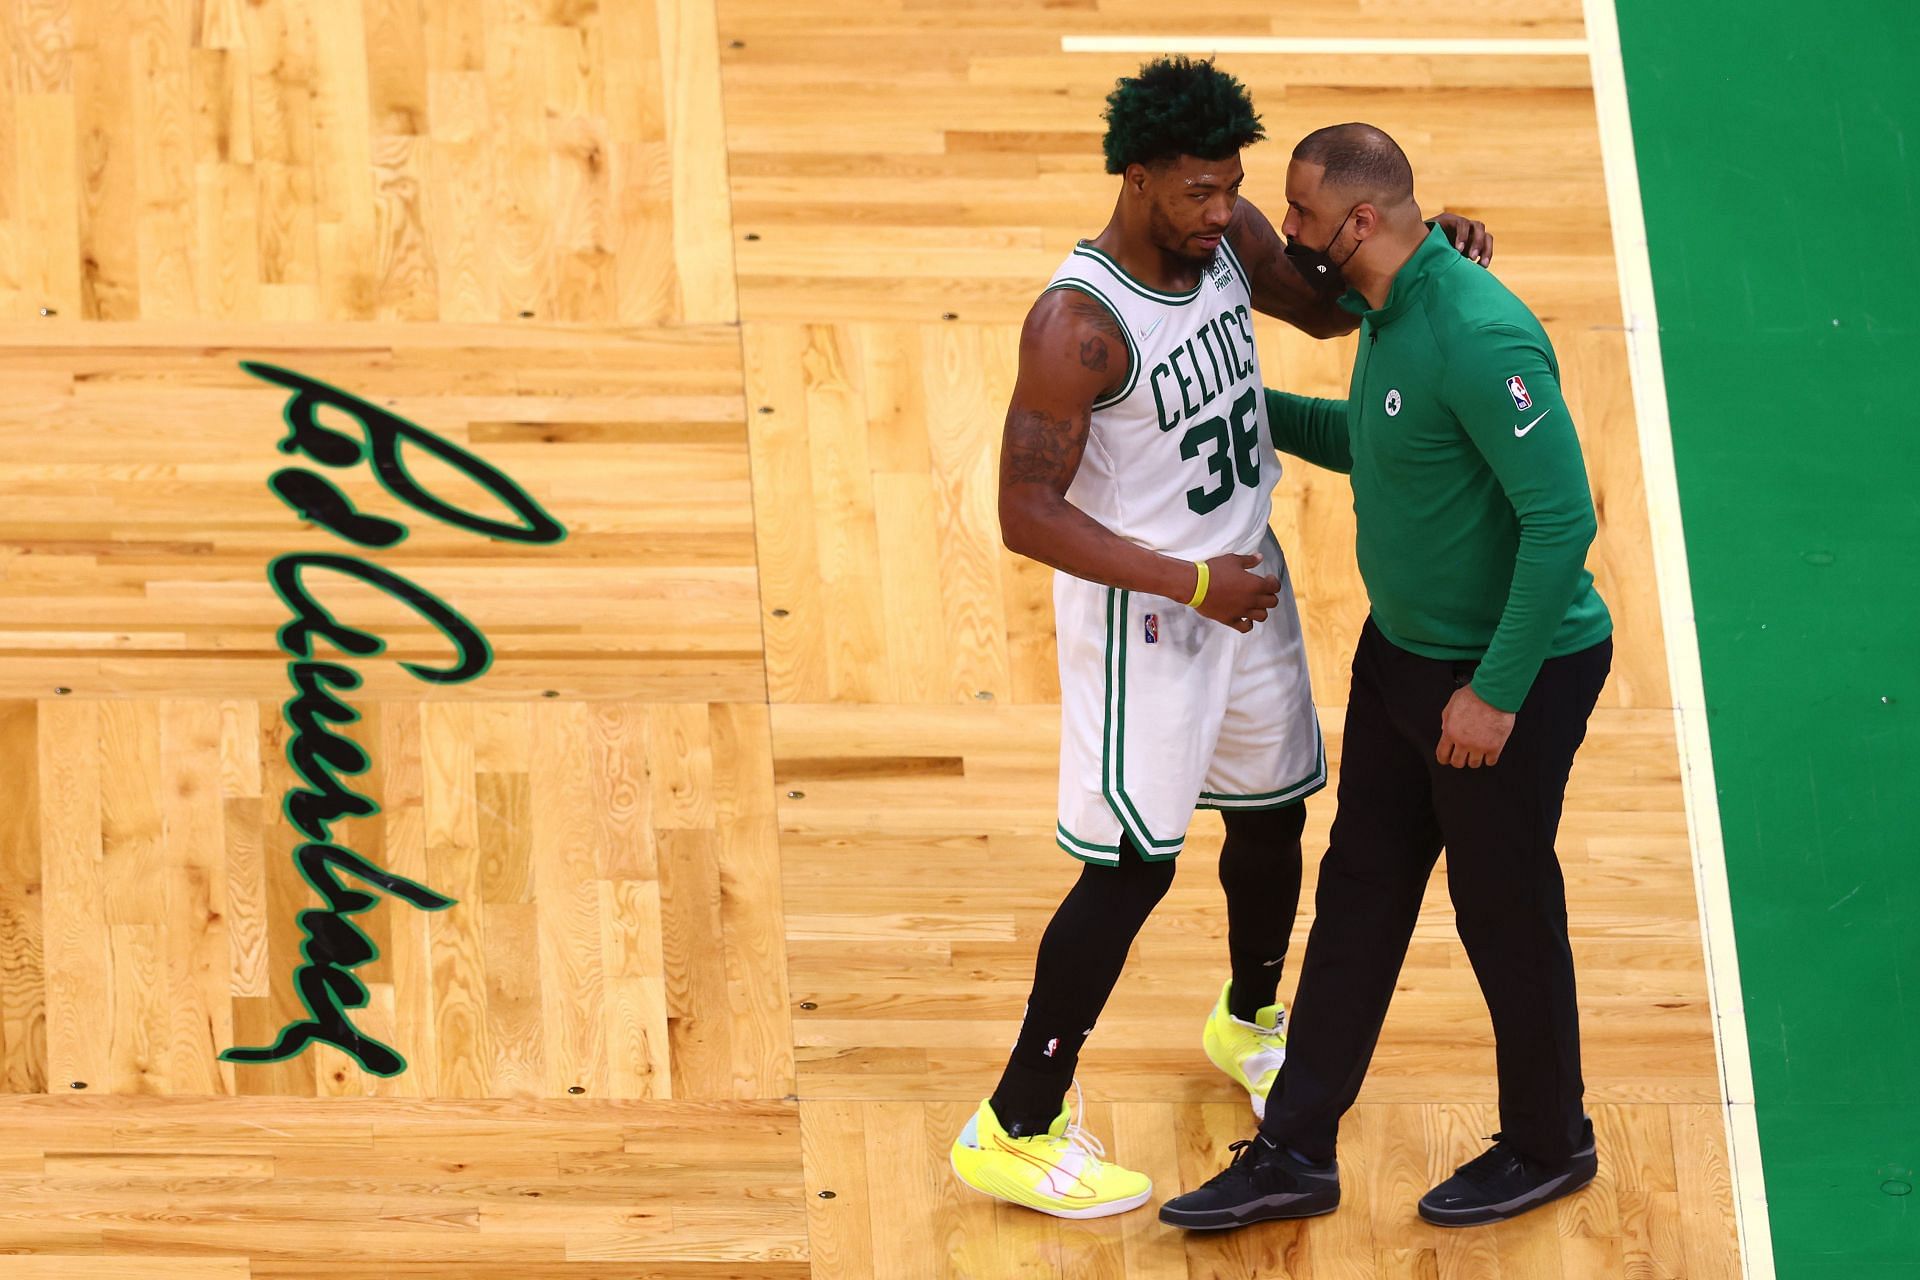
[{"x": 747, "y": 815}]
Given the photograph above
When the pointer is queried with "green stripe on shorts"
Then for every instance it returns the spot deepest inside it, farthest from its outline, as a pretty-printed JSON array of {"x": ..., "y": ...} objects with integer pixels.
[
  {"x": 1300, "y": 790},
  {"x": 1113, "y": 781},
  {"x": 1085, "y": 850}
]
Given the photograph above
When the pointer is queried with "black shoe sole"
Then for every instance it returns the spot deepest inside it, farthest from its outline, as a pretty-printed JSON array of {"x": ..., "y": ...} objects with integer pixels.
[
  {"x": 1224, "y": 1219},
  {"x": 1578, "y": 1180}
]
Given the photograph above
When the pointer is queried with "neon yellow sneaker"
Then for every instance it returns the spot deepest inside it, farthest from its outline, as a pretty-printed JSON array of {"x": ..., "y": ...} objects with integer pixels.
[
  {"x": 1061, "y": 1171},
  {"x": 1249, "y": 1052}
]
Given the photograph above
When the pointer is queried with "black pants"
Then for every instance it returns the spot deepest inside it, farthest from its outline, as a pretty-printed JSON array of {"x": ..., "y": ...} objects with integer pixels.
[{"x": 1397, "y": 807}]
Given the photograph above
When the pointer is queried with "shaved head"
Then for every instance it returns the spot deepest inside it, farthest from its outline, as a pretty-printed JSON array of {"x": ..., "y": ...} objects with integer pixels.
[{"x": 1359, "y": 159}]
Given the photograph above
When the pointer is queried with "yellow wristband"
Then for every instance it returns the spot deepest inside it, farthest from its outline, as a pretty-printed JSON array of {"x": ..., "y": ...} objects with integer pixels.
[{"x": 1200, "y": 587}]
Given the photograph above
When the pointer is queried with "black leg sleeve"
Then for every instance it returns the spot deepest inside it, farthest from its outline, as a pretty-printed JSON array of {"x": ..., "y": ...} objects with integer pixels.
[
  {"x": 1260, "y": 871},
  {"x": 1081, "y": 955}
]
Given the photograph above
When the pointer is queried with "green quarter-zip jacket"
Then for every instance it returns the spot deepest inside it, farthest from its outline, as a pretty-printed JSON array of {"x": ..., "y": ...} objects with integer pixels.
[{"x": 1469, "y": 491}]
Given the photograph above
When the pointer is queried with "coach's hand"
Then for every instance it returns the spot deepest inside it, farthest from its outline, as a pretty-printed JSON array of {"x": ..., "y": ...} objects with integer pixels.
[
  {"x": 1472, "y": 732},
  {"x": 1236, "y": 596}
]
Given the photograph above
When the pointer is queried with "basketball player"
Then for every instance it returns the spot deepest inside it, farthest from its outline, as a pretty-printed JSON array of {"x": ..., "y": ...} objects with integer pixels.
[{"x": 1137, "y": 461}]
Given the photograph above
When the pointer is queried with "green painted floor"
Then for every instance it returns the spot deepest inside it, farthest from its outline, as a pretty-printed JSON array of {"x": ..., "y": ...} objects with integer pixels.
[{"x": 1777, "y": 147}]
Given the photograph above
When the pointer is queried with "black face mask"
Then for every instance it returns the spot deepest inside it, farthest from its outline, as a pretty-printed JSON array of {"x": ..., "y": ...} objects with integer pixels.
[{"x": 1318, "y": 266}]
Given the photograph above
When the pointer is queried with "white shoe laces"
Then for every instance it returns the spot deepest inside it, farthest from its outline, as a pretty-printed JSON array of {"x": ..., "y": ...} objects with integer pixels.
[
  {"x": 1077, "y": 1136},
  {"x": 1279, "y": 1027}
]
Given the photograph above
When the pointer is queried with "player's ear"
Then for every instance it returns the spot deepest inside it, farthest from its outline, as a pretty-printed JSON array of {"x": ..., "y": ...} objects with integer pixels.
[
  {"x": 1366, "y": 220},
  {"x": 1136, "y": 178}
]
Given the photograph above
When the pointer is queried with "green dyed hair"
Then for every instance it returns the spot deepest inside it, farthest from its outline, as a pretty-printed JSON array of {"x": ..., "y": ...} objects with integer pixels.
[{"x": 1178, "y": 107}]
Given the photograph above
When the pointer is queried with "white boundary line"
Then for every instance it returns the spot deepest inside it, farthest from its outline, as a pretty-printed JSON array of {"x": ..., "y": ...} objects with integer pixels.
[
  {"x": 1602, "y": 48},
  {"x": 1683, "y": 646},
  {"x": 1317, "y": 44}
]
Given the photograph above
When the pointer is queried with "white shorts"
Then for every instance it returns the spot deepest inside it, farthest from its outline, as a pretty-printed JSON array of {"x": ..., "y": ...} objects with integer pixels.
[{"x": 1163, "y": 712}]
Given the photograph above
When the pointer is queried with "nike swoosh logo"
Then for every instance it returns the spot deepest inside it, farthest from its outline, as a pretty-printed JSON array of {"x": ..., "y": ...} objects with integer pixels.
[
  {"x": 1521, "y": 431},
  {"x": 1268, "y": 964},
  {"x": 1147, "y": 332}
]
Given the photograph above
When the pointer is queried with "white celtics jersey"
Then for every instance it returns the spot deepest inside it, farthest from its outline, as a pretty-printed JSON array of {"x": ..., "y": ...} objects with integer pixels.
[{"x": 1180, "y": 459}]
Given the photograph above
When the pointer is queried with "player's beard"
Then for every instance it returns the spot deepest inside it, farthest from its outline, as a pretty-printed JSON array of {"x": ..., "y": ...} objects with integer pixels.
[{"x": 1170, "y": 239}]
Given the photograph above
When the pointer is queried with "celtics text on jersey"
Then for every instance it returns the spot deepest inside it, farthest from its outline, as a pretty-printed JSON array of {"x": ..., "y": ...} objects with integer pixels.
[{"x": 1179, "y": 459}]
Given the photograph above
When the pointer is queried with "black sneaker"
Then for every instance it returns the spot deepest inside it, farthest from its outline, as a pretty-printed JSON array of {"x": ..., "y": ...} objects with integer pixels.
[
  {"x": 1263, "y": 1182},
  {"x": 1502, "y": 1184}
]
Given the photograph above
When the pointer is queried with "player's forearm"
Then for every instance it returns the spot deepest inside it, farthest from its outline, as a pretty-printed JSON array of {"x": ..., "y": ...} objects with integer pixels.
[
  {"x": 1043, "y": 526},
  {"x": 1323, "y": 317},
  {"x": 1279, "y": 292},
  {"x": 1278, "y": 289}
]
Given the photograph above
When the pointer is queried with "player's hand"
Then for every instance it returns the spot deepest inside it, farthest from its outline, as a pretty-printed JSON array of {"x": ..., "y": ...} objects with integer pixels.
[
  {"x": 1471, "y": 238},
  {"x": 1237, "y": 597},
  {"x": 1472, "y": 732}
]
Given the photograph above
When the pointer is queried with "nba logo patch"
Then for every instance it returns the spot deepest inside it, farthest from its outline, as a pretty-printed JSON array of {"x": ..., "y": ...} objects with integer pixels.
[
  {"x": 1518, "y": 390},
  {"x": 1153, "y": 628}
]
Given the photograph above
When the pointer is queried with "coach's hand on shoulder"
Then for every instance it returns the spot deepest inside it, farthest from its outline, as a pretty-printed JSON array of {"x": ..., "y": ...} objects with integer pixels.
[
  {"x": 1472, "y": 731},
  {"x": 1469, "y": 237},
  {"x": 1236, "y": 596}
]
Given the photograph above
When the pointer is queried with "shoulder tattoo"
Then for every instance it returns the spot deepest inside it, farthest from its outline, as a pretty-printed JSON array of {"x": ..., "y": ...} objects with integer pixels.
[{"x": 1097, "y": 348}]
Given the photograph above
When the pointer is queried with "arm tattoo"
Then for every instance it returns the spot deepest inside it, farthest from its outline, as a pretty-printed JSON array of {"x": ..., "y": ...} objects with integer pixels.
[{"x": 1042, "y": 449}]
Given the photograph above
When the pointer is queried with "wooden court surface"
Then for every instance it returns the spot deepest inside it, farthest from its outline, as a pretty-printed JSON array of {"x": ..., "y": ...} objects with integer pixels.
[{"x": 749, "y": 821}]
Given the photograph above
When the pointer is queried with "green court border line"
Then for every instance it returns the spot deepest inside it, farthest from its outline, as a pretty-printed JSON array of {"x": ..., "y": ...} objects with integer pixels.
[{"x": 1628, "y": 219}]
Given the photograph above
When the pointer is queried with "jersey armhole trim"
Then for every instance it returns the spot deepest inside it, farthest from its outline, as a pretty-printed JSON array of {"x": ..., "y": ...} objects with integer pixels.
[{"x": 1133, "y": 352}]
